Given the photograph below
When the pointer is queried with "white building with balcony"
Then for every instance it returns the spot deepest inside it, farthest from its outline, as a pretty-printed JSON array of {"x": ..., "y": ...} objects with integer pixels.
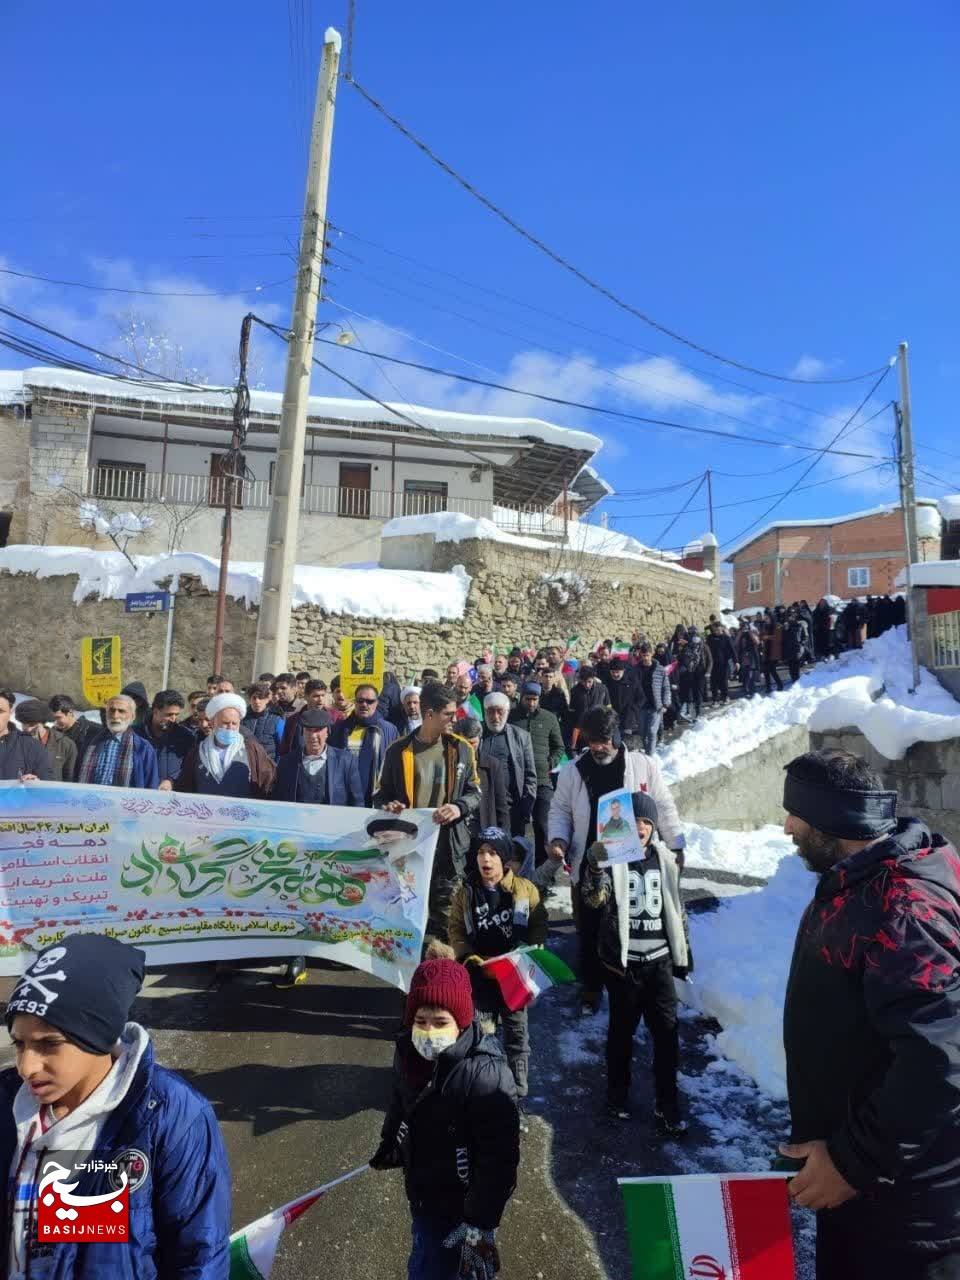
[{"x": 159, "y": 449}]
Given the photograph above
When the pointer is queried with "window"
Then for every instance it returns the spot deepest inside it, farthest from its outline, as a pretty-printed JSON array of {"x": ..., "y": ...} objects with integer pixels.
[
  {"x": 945, "y": 633},
  {"x": 353, "y": 495},
  {"x": 754, "y": 581},
  {"x": 858, "y": 577},
  {"x": 424, "y": 497},
  {"x": 125, "y": 481}
]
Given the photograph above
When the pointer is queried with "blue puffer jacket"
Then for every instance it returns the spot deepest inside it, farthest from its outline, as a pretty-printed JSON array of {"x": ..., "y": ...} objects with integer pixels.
[{"x": 180, "y": 1214}]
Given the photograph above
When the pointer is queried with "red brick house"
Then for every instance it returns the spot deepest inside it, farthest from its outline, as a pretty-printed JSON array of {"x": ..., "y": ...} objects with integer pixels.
[{"x": 846, "y": 556}]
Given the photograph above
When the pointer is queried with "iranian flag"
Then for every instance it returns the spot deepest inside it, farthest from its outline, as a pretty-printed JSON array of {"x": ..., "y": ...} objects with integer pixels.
[
  {"x": 524, "y": 974},
  {"x": 709, "y": 1226},
  {"x": 620, "y": 650},
  {"x": 253, "y": 1249}
]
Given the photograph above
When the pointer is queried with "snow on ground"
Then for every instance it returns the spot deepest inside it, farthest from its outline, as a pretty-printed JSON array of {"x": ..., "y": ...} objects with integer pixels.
[
  {"x": 742, "y": 957},
  {"x": 407, "y": 595},
  {"x": 451, "y": 526},
  {"x": 744, "y": 853},
  {"x": 867, "y": 689}
]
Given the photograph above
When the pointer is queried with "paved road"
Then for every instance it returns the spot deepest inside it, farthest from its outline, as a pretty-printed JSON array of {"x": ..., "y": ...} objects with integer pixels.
[{"x": 299, "y": 1080}]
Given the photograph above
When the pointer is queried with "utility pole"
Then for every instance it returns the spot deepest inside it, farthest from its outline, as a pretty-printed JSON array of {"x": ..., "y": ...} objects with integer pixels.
[
  {"x": 280, "y": 555},
  {"x": 231, "y": 477},
  {"x": 908, "y": 499},
  {"x": 710, "y": 500}
]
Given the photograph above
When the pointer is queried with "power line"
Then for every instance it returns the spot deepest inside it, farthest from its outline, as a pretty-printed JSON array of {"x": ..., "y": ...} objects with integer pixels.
[
  {"x": 599, "y": 409},
  {"x": 659, "y": 541},
  {"x": 565, "y": 320},
  {"x": 820, "y": 454},
  {"x": 145, "y": 293},
  {"x": 103, "y": 355},
  {"x": 608, "y": 374},
  {"x": 368, "y": 395},
  {"x": 745, "y": 502},
  {"x": 582, "y": 275}
]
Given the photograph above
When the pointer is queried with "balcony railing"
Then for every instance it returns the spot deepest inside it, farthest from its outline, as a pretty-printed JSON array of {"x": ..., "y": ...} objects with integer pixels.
[{"x": 121, "y": 484}]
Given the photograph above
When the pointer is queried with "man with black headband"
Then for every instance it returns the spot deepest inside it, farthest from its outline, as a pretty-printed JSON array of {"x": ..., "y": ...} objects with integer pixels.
[{"x": 871, "y": 1028}]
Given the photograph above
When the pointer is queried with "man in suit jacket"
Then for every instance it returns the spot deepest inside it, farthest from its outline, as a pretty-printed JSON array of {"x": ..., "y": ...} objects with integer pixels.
[{"x": 317, "y": 773}]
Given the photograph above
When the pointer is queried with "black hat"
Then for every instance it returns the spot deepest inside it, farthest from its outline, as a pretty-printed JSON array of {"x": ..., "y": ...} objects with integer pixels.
[
  {"x": 402, "y": 826},
  {"x": 85, "y": 985},
  {"x": 497, "y": 839},
  {"x": 644, "y": 806},
  {"x": 32, "y": 711},
  {"x": 315, "y": 718},
  {"x": 617, "y": 664},
  {"x": 515, "y": 652}
]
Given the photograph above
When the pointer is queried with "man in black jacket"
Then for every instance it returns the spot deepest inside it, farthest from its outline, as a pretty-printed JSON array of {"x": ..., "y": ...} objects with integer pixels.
[
  {"x": 21, "y": 757},
  {"x": 170, "y": 739},
  {"x": 434, "y": 768},
  {"x": 78, "y": 729},
  {"x": 547, "y": 739},
  {"x": 871, "y": 1028},
  {"x": 587, "y": 693}
]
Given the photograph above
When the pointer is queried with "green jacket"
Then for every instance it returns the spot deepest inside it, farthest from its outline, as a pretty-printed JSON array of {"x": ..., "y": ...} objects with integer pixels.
[{"x": 544, "y": 730}]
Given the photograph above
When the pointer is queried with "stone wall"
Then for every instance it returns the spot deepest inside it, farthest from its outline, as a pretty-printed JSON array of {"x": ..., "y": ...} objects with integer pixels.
[
  {"x": 927, "y": 779},
  {"x": 747, "y": 794},
  {"x": 507, "y": 604}
]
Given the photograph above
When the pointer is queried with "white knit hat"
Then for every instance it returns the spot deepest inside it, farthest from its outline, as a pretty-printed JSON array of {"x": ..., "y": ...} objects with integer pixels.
[{"x": 225, "y": 702}]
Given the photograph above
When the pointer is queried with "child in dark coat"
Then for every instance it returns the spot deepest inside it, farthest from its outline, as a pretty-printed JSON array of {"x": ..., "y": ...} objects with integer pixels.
[{"x": 452, "y": 1126}]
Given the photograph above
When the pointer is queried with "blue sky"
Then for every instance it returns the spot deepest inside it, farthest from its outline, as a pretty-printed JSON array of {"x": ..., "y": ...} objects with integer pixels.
[{"x": 775, "y": 182}]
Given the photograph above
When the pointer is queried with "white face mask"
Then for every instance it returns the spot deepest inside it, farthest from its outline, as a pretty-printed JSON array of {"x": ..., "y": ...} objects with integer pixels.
[{"x": 430, "y": 1044}]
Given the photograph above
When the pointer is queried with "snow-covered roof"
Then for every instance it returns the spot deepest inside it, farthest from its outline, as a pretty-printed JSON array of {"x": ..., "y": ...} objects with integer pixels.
[
  {"x": 591, "y": 487},
  {"x": 450, "y": 526},
  {"x": 823, "y": 522},
  {"x": 949, "y": 506},
  {"x": 11, "y": 387},
  {"x": 932, "y": 573},
  {"x": 398, "y": 594},
  {"x": 23, "y": 382}
]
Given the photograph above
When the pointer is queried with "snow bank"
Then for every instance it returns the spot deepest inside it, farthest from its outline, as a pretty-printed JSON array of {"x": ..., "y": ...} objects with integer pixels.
[
  {"x": 744, "y": 853},
  {"x": 451, "y": 526},
  {"x": 742, "y": 956},
  {"x": 404, "y": 595},
  {"x": 865, "y": 689},
  {"x": 933, "y": 573}
]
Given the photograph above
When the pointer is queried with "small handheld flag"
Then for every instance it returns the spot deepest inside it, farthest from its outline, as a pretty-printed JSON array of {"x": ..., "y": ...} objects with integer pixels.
[
  {"x": 723, "y": 1226},
  {"x": 253, "y": 1248},
  {"x": 524, "y": 974}
]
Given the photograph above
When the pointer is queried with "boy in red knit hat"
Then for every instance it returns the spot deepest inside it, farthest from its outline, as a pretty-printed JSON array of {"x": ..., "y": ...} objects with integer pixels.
[{"x": 452, "y": 1125}]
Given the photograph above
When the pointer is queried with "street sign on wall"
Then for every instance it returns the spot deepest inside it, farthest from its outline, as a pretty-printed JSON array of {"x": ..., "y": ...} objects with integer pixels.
[{"x": 147, "y": 601}]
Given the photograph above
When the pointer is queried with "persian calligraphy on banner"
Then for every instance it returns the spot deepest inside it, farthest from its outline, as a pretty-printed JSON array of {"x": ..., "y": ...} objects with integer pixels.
[{"x": 193, "y": 877}]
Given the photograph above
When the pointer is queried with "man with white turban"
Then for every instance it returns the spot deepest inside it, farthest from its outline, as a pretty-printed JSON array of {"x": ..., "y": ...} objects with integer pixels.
[
  {"x": 227, "y": 762},
  {"x": 410, "y": 701}
]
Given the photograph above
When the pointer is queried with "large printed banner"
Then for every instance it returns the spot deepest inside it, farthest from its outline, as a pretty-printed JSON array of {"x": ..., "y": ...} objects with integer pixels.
[{"x": 193, "y": 877}]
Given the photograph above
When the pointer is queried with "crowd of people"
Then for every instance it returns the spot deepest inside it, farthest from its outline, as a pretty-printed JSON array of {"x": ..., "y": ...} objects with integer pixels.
[{"x": 513, "y": 756}]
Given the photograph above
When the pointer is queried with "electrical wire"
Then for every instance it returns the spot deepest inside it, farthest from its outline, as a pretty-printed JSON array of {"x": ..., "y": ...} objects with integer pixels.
[
  {"x": 658, "y": 542},
  {"x": 820, "y": 455},
  {"x": 106, "y": 355},
  {"x": 650, "y": 385},
  {"x": 143, "y": 293},
  {"x": 745, "y": 502},
  {"x": 582, "y": 275},
  {"x": 602, "y": 410},
  {"x": 565, "y": 320},
  {"x": 368, "y": 395}
]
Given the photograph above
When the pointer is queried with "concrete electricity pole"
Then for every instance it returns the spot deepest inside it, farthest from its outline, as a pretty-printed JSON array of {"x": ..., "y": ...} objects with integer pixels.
[
  {"x": 273, "y": 628},
  {"x": 908, "y": 498}
]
